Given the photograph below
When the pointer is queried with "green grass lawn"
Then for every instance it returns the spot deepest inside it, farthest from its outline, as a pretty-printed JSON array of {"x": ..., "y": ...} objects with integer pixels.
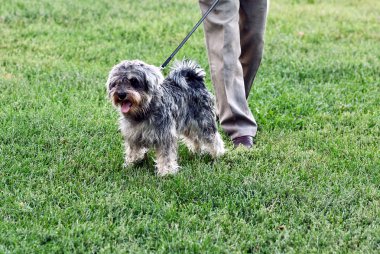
[{"x": 312, "y": 183}]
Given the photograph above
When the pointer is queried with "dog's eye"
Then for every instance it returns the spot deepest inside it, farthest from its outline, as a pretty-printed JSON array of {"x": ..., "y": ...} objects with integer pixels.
[
  {"x": 112, "y": 85},
  {"x": 134, "y": 82}
]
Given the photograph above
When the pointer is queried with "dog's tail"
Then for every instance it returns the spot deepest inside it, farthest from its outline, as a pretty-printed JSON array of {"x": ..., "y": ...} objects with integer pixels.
[{"x": 187, "y": 73}]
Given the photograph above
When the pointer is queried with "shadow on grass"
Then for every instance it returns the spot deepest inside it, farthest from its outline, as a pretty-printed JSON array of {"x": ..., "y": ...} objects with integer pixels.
[{"x": 186, "y": 159}]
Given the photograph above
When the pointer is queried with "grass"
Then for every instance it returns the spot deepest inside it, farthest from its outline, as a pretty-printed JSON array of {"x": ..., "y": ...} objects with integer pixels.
[{"x": 310, "y": 185}]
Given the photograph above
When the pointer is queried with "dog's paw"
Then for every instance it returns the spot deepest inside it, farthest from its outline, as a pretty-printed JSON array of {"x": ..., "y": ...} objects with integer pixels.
[
  {"x": 166, "y": 171},
  {"x": 135, "y": 157},
  {"x": 219, "y": 151},
  {"x": 127, "y": 164}
]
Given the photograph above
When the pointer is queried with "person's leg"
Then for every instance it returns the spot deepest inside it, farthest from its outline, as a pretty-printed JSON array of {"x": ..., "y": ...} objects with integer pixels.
[
  {"x": 223, "y": 46},
  {"x": 253, "y": 15}
]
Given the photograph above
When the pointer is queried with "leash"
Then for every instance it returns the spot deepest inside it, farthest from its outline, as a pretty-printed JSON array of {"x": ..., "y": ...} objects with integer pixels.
[{"x": 189, "y": 34}]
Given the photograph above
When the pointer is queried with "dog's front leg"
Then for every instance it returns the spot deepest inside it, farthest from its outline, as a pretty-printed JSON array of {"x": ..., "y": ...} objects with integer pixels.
[
  {"x": 166, "y": 162},
  {"x": 133, "y": 154}
]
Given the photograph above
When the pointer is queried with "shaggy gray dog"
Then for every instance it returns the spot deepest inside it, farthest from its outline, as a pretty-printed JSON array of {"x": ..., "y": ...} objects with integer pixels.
[{"x": 157, "y": 112}]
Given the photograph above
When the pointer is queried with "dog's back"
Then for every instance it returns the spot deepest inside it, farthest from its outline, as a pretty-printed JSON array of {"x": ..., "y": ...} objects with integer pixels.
[
  {"x": 187, "y": 74},
  {"x": 192, "y": 104}
]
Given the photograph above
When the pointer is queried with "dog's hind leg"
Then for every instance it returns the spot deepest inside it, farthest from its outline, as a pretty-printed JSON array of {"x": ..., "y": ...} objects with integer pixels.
[
  {"x": 192, "y": 143},
  {"x": 214, "y": 145}
]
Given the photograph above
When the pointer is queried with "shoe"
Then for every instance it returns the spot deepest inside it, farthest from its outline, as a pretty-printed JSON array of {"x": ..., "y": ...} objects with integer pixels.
[{"x": 246, "y": 141}]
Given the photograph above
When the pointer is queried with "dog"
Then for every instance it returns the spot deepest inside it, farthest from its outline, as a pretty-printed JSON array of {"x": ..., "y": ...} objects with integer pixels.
[{"x": 155, "y": 113}]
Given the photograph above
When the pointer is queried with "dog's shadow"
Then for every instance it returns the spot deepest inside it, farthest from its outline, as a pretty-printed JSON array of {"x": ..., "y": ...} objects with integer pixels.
[
  {"x": 185, "y": 158},
  {"x": 147, "y": 164}
]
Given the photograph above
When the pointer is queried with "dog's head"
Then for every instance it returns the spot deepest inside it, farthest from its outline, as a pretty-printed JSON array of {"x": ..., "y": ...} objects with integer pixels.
[{"x": 131, "y": 85}]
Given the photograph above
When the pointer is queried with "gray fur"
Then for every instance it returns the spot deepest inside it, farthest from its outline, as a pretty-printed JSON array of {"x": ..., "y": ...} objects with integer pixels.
[{"x": 163, "y": 111}]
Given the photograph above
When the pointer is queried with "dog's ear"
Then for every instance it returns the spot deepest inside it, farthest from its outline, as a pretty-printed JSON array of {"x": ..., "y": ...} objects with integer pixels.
[
  {"x": 111, "y": 82},
  {"x": 153, "y": 76}
]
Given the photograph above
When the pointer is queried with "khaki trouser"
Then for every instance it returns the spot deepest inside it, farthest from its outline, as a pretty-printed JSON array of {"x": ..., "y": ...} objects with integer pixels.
[{"x": 234, "y": 33}]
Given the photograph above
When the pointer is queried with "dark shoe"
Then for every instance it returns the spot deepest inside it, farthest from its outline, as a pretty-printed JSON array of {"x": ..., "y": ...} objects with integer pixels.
[{"x": 246, "y": 141}]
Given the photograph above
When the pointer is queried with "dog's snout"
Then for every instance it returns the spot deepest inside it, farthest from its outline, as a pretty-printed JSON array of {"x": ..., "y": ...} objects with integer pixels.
[{"x": 122, "y": 95}]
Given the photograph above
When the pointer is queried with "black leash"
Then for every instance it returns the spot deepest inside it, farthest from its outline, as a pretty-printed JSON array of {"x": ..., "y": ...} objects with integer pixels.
[{"x": 188, "y": 36}]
